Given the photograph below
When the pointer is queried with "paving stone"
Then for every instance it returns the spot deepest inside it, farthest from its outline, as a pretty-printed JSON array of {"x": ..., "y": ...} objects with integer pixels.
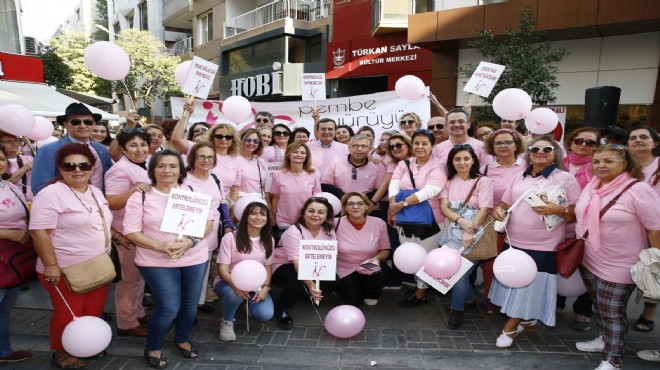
[
  {"x": 302, "y": 342},
  {"x": 422, "y": 345},
  {"x": 413, "y": 336},
  {"x": 389, "y": 341},
  {"x": 265, "y": 337},
  {"x": 313, "y": 333},
  {"x": 399, "y": 359},
  {"x": 392, "y": 331},
  {"x": 461, "y": 344},
  {"x": 286, "y": 356},
  {"x": 280, "y": 338},
  {"x": 372, "y": 335},
  {"x": 298, "y": 332},
  {"x": 326, "y": 340},
  {"x": 365, "y": 345},
  {"x": 474, "y": 337},
  {"x": 428, "y": 336},
  {"x": 446, "y": 343}
]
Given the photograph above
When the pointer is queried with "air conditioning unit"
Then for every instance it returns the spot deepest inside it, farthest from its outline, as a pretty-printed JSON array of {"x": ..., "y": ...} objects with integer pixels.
[{"x": 31, "y": 46}]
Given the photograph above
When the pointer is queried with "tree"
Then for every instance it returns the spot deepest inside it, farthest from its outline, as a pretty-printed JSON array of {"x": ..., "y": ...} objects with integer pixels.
[
  {"x": 65, "y": 51},
  {"x": 101, "y": 11},
  {"x": 530, "y": 63},
  {"x": 56, "y": 72}
]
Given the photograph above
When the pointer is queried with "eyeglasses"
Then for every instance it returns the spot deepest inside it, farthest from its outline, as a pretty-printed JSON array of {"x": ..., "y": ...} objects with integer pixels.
[
  {"x": 580, "y": 141},
  {"x": 281, "y": 133},
  {"x": 10, "y": 141},
  {"x": 457, "y": 122},
  {"x": 76, "y": 122},
  {"x": 261, "y": 120},
  {"x": 199, "y": 130},
  {"x": 503, "y": 144},
  {"x": 439, "y": 126},
  {"x": 408, "y": 122},
  {"x": 355, "y": 204},
  {"x": 226, "y": 137},
  {"x": 463, "y": 146},
  {"x": 484, "y": 135},
  {"x": 252, "y": 141},
  {"x": 204, "y": 157},
  {"x": 545, "y": 149},
  {"x": 360, "y": 146},
  {"x": 70, "y": 167},
  {"x": 396, "y": 146},
  {"x": 129, "y": 130}
]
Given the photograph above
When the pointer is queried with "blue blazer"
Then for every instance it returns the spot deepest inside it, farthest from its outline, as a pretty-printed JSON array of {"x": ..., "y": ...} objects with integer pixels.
[{"x": 44, "y": 169}]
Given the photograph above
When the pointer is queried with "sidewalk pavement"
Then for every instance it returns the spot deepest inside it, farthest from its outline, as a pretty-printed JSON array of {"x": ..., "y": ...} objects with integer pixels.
[{"x": 393, "y": 338}]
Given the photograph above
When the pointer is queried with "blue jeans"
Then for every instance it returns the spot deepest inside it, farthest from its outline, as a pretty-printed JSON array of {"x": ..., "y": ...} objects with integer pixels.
[
  {"x": 463, "y": 290},
  {"x": 262, "y": 311},
  {"x": 175, "y": 292},
  {"x": 7, "y": 300}
]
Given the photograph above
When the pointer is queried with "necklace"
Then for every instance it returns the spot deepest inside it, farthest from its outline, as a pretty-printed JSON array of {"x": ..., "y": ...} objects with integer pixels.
[{"x": 89, "y": 209}]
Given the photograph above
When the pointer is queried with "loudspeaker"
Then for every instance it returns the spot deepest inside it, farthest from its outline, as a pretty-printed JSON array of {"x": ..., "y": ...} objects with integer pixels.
[{"x": 601, "y": 105}]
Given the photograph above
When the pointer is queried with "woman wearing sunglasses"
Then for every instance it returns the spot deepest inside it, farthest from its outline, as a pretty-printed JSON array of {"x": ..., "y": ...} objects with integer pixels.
[
  {"x": 70, "y": 224},
  {"x": 197, "y": 132},
  {"x": 226, "y": 144},
  {"x": 409, "y": 123},
  {"x": 123, "y": 179},
  {"x": 527, "y": 231},
  {"x": 253, "y": 168},
  {"x": 275, "y": 151}
]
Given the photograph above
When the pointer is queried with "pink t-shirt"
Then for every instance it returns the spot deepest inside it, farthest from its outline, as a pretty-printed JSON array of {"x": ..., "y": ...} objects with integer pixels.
[
  {"x": 229, "y": 255},
  {"x": 648, "y": 175},
  {"x": 273, "y": 153},
  {"x": 355, "y": 246},
  {"x": 290, "y": 243},
  {"x": 122, "y": 176},
  {"x": 208, "y": 187},
  {"x": 253, "y": 175},
  {"x": 146, "y": 219},
  {"x": 12, "y": 212},
  {"x": 501, "y": 177},
  {"x": 75, "y": 231},
  {"x": 323, "y": 157},
  {"x": 432, "y": 172},
  {"x": 458, "y": 189},
  {"x": 622, "y": 230},
  {"x": 340, "y": 174},
  {"x": 227, "y": 169},
  {"x": 441, "y": 151},
  {"x": 13, "y": 167},
  {"x": 526, "y": 228},
  {"x": 293, "y": 192}
]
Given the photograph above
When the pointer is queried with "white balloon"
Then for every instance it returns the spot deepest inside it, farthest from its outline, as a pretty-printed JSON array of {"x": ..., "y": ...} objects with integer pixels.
[
  {"x": 237, "y": 109},
  {"x": 332, "y": 199},
  {"x": 571, "y": 287},
  {"x": 410, "y": 87},
  {"x": 86, "y": 336},
  {"x": 243, "y": 202}
]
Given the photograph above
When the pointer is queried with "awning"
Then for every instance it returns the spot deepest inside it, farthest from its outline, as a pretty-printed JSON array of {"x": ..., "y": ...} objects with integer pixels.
[
  {"x": 86, "y": 98},
  {"x": 41, "y": 99}
]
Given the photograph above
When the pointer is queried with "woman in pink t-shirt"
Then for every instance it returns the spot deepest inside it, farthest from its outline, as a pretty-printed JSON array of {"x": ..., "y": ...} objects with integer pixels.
[
  {"x": 19, "y": 170},
  {"x": 527, "y": 231},
  {"x": 274, "y": 152},
  {"x": 315, "y": 222},
  {"x": 266, "y": 134},
  {"x": 252, "y": 241},
  {"x": 70, "y": 224},
  {"x": 363, "y": 247},
  {"x": 464, "y": 180},
  {"x": 615, "y": 239},
  {"x": 172, "y": 267},
  {"x": 253, "y": 168}
]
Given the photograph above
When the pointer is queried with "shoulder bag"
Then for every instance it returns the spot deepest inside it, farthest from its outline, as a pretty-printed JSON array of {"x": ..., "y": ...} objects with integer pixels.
[
  {"x": 17, "y": 261},
  {"x": 417, "y": 219}
]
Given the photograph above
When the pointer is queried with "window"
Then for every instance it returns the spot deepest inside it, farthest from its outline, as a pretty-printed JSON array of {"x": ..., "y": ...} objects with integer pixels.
[
  {"x": 205, "y": 24},
  {"x": 144, "y": 17}
]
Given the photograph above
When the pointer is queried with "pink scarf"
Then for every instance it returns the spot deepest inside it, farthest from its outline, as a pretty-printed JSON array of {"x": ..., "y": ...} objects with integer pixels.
[
  {"x": 592, "y": 210},
  {"x": 583, "y": 175}
]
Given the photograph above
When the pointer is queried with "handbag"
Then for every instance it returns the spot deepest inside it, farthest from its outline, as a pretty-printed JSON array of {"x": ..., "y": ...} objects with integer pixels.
[
  {"x": 487, "y": 247},
  {"x": 420, "y": 214},
  {"x": 571, "y": 251},
  {"x": 17, "y": 261}
]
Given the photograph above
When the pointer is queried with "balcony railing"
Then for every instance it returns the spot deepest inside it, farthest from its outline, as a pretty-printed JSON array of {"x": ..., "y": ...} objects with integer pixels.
[
  {"x": 306, "y": 11},
  {"x": 184, "y": 46},
  {"x": 394, "y": 13},
  {"x": 171, "y": 7}
]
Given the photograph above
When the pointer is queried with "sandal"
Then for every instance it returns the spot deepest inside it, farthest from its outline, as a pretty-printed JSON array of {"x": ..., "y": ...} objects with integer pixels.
[
  {"x": 644, "y": 325},
  {"x": 155, "y": 362},
  {"x": 188, "y": 353},
  {"x": 98, "y": 355},
  {"x": 505, "y": 340},
  {"x": 62, "y": 362},
  {"x": 530, "y": 325}
]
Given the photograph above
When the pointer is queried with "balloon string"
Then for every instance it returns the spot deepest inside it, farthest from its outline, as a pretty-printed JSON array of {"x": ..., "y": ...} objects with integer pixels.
[
  {"x": 29, "y": 144},
  {"x": 129, "y": 94},
  {"x": 313, "y": 305},
  {"x": 65, "y": 302},
  {"x": 247, "y": 314}
]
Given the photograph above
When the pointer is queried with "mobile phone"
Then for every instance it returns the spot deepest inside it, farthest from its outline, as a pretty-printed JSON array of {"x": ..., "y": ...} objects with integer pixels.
[
  {"x": 534, "y": 200},
  {"x": 370, "y": 266}
]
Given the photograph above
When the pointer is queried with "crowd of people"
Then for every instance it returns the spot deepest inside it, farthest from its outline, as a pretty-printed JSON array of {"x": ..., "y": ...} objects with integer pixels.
[{"x": 91, "y": 194}]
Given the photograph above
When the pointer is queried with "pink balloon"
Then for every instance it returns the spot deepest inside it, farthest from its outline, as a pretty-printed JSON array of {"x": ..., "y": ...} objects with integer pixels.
[
  {"x": 443, "y": 263},
  {"x": 43, "y": 129},
  {"x": 344, "y": 321},
  {"x": 86, "y": 336},
  {"x": 332, "y": 199},
  {"x": 515, "y": 268},
  {"x": 107, "y": 60},
  {"x": 512, "y": 104},
  {"x": 237, "y": 109},
  {"x": 541, "y": 121},
  {"x": 409, "y": 257},
  {"x": 243, "y": 202},
  {"x": 571, "y": 287},
  {"x": 410, "y": 87},
  {"x": 181, "y": 72},
  {"x": 16, "y": 119},
  {"x": 248, "y": 275}
]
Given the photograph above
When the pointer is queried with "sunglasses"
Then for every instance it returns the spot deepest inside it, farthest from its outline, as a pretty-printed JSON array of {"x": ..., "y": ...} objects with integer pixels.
[
  {"x": 262, "y": 120},
  {"x": 589, "y": 143},
  {"x": 199, "y": 130},
  {"x": 252, "y": 141},
  {"x": 281, "y": 133},
  {"x": 226, "y": 137},
  {"x": 70, "y": 167},
  {"x": 439, "y": 126},
  {"x": 462, "y": 146},
  {"x": 408, "y": 122},
  {"x": 396, "y": 146},
  {"x": 77, "y": 122},
  {"x": 423, "y": 131},
  {"x": 545, "y": 149}
]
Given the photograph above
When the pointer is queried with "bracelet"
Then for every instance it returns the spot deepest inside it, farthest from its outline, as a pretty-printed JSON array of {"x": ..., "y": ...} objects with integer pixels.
[
  {"x": 456, "y": 220},
  {"x": 194, "y": 241},
  {"x": 265, "y": 286},
  {"x": 51, "y": 264}
]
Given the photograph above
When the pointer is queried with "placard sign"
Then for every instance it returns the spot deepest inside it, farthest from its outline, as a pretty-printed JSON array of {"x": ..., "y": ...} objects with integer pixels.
[
  {"x": 271, "y": 168},
  {"x": 444, "y": 285},
  {"x": 200, "y": 78},
  {"x": 313, "y": 86},
  {"x": 484, "y": 79},
  {"x": 317, "y": 260},
  {"x": 186, "y": 213}
]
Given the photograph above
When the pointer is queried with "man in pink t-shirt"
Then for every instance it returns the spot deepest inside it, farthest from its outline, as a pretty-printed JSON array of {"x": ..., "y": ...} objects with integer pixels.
[
  {"x": 458, "y": 123},
  {"x": 325, "y": 149}
]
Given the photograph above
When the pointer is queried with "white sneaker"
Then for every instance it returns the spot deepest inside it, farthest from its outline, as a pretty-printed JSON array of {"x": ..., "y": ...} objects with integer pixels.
[
  {"x": 604, "y": 365},
  {"x": 370, "y": 302},
  {"x": 594, "y": 345},
  {"x": 649, "y": 355},
  {"x": 227, "y": 331}
]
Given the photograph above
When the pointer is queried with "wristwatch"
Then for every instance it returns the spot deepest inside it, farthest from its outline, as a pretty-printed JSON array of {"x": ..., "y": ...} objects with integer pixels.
[
  {"x": 194, "y": 240},
  {"x": 405, "y": 204}
]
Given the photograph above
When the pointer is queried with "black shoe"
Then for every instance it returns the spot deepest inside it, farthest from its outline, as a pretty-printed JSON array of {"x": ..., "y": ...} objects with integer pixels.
[
  {"x": 455, "y": 319},
  {"x": 412, "y": 301},
  {"x": 24, "y": 288},
  {"x": 205, "y": 308},
  {"x": 146, "y": 303},
  {"x": 106, "y": 317},
  {"x": 284, "y": 321}
]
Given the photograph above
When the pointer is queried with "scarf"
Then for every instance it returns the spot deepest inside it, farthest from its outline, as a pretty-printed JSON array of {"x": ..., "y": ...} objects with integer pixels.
[
  {"x": 592, "y": 209},
  {"x": 583, "y": 175}
]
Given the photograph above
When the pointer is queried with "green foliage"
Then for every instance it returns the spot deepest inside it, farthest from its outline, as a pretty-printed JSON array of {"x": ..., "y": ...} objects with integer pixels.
[
  {"x": 101, "y": 10},
  {"x": 66, "y": 50},
  {"x": 530, "y": 63},
  {"x": 56, "y": 72}
]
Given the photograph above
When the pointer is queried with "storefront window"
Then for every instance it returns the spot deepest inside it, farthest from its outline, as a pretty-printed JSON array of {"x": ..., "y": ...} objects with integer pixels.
[
  {"x": 627, "y": 115},
  {"x": 257, "y": 56}
]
